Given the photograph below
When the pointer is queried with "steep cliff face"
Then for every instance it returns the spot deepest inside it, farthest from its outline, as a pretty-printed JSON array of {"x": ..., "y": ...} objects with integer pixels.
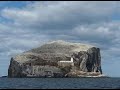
[{"x": 53, "y": 60}]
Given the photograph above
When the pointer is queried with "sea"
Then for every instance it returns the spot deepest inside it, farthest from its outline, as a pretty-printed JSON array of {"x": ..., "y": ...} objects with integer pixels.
[{"x": 60, "y": 83}]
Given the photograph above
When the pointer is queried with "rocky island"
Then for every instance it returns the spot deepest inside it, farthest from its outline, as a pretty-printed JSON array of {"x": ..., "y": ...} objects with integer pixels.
[{"x": 57, "y": 59}]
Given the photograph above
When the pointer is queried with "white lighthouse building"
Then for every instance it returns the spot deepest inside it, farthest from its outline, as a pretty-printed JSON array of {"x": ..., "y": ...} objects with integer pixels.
[{"x": 66, "y": 63}]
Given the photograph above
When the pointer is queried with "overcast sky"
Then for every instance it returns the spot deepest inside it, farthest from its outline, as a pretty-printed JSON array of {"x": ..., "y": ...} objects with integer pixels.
[{"x": 25, "y": 25}]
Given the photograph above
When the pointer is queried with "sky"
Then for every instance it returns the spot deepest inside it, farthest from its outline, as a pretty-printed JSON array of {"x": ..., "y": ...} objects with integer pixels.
[{"x": 28, "y": 24}]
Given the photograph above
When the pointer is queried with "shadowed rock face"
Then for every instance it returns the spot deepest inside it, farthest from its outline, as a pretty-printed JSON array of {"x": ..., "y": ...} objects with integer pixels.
[
  {"x": 43, "y": 61},
  {"x": 89, "y": 61}
]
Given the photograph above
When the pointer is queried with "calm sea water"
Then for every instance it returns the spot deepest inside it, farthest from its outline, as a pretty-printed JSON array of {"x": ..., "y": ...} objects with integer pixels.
[{"x": 59, "y": 83}]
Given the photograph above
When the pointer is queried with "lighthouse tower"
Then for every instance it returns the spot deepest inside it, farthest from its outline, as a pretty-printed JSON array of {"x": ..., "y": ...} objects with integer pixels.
[{"x": 71, "y": 59}]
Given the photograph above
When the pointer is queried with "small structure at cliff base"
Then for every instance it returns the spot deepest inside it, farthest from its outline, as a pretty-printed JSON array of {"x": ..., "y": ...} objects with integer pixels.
[{"x": 57, "y": 59}]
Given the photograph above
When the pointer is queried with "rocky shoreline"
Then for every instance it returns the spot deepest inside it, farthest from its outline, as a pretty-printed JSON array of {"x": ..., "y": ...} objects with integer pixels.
[{"x": 57, "y": 59}]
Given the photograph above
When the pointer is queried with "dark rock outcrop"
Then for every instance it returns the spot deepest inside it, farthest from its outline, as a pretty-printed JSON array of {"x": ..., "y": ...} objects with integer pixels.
[{"x": 53, "y": 60}]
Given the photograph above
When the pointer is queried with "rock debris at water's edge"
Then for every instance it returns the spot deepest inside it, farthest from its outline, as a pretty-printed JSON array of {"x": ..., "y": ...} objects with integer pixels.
[{"x": 57, "y": 59}]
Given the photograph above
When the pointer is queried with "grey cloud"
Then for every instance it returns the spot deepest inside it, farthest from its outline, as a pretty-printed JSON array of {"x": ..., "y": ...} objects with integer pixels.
[
  {"x": 13, "y": 40},
  {"x": 104, "y": 35},
  {"x": 73, "y": 21},
  {"x": 61, "y": 14}
]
